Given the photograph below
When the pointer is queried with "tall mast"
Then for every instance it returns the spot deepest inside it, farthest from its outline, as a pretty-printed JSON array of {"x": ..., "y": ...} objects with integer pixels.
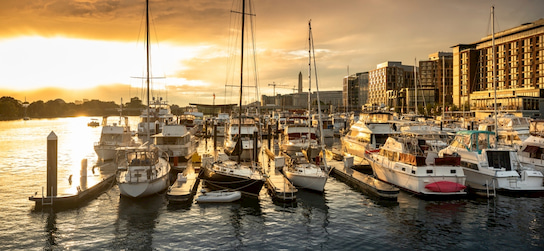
[
  {"x": 415, "y": 86},
  {"x": 320, "y": 124},
  {"x": 309, "y": 77},
  {"x": 147, "y": 66},
  {"x": 493, "y": 68},
  {"x": 443, "y": 87},
  {"x": 239, "y": 141}
]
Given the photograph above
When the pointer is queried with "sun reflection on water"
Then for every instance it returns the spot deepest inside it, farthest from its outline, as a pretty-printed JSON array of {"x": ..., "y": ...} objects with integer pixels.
[{"x": 76, "y": 144}]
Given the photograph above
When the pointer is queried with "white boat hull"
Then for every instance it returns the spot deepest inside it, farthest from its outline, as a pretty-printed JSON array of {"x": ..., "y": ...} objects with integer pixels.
[
  {"x": 105, "y": 152},
  {"x": 316, "y": 183},
  {"x": 219, "y": 197},
  {"x": 401, "y": 175},
  {"x": 143, "y": 189},
  {"x": 506, "y": 181}
]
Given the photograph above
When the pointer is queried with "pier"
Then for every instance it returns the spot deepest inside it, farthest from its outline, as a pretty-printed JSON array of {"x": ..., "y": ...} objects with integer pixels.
[
  {"x": 89, "y": 187},
  {"x": 279, "y": 187},
  {"x": 184, "y": 188},
  {"x": 342, "y": 170}
]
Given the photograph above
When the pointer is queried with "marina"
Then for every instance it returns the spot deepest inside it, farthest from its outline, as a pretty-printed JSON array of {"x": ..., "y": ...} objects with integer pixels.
[
  {"x": 339, "y": 218},
  {"x": 225, "y": 140}
]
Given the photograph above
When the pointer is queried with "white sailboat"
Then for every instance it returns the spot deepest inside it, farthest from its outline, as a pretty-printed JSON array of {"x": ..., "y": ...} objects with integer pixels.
[
  {"x": 223, "y": 173},
  {"x": 143, "y": 170},
  {"x": 299, "y": 170}
]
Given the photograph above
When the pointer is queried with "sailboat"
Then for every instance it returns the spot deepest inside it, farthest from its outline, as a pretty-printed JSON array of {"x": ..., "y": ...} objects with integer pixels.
[
  {"x": 224, "y": 173},
  {"x": 299, "y": 170},
  {"x": 143, "y": 170}
]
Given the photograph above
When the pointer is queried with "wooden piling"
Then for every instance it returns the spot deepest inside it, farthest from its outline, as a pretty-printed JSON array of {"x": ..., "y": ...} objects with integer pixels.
[{"x": 52, "y": 142}]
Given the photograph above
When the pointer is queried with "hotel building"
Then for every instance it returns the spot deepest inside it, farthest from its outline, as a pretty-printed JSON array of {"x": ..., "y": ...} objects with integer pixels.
[{"x": 519, "y": 69}]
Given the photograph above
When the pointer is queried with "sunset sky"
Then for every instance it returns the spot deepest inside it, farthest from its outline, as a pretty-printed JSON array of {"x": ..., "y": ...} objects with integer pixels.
[{"x": 93, "y": 49}]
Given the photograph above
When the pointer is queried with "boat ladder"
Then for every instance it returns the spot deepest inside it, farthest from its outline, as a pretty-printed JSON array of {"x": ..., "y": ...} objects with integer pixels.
[
  {"x": 494, "y": 192},
  {"x": 44, "y": 200}
]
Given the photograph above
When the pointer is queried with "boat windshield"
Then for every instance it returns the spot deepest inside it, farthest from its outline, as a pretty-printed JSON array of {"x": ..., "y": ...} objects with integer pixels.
[
  {"x": 537, "y": 128},
  {"x": 475, "y": 141}
]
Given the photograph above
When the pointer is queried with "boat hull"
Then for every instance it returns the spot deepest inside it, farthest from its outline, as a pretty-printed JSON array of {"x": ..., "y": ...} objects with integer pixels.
[
  {"x": 219, "y": 197},
  {"x": 505, "y": 182},
  {"x": 421, "y": 185},
  {"x": 105, "y": 152},
  {"x": 218, "y": 180},
  {"x": 316, "y": 183},
  {"x": 143, "y": 189}
]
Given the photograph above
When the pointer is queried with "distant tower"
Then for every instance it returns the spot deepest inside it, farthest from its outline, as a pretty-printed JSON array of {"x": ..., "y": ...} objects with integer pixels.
[{"x": 299, "y": 82}]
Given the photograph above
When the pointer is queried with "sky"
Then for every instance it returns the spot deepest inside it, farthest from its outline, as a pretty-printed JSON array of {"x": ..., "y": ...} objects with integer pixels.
[{"x": 94, "y": 49}]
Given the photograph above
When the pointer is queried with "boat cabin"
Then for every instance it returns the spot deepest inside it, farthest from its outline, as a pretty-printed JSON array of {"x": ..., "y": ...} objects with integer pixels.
[{"x": 474, "y": 141}]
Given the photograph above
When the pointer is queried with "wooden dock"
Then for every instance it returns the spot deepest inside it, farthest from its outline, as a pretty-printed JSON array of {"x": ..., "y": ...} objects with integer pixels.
[
  {"x": 279, "y": 187},
  {"x": 96, "y": 185},
  {"x": 363, "y": 182},
  {"x": 184, "y": 188}
]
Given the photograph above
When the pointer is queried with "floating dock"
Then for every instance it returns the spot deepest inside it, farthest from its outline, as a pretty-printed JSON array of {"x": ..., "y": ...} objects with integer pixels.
[
  {"x": 279, "y": 187},
  {"x": 82, "y": 196},
  {"x": 184, "y": 188},
  {"x": 88, "y": 188},
  {"x": 363, "y": 182}
]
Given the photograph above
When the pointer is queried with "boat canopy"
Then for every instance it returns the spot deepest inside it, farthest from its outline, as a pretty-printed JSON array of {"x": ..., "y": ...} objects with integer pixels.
[{"x": 474, "y": 140}]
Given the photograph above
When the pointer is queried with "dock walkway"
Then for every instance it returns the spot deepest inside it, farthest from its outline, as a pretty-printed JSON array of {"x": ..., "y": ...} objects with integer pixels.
[
  {"x": 93, "y": 186},
  {"x": 184, "y": 188},
  {"x": 279, "y": 187},
  {"x": 363, "y": 182}
]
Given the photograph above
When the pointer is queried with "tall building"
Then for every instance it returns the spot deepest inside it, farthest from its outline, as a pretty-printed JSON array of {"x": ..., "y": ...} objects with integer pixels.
[
  {"x": 519, "y": 69},
  {"x": 436, "y": 73},
  {"x": 355, "y": 91},
  {"x": 391, "y": 85}
]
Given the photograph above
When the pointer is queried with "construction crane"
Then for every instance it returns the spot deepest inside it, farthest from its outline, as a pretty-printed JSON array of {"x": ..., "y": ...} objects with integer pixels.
[{"x": 274, "y": 85}]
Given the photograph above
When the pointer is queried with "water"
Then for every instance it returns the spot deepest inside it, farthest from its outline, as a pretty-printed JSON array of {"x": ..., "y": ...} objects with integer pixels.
[{"x": 341, "y": 218}]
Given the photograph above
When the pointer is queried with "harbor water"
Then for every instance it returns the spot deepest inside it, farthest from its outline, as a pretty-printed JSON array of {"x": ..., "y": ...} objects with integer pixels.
[{"x": 340, "y": 219}]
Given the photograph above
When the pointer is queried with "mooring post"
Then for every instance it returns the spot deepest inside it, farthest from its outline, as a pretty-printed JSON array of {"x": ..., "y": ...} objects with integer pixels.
[
  {"x": 269, "y": 135},
  {"x": 83, "y": 175},
  {"x": 52, "y": 141},
  {"x": 214, "y": 136}
]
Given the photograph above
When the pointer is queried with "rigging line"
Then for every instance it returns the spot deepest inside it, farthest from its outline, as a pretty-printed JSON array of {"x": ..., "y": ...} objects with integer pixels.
[
  {"x": 320, "y": 122},
  {"x": 253, "y": 39}
]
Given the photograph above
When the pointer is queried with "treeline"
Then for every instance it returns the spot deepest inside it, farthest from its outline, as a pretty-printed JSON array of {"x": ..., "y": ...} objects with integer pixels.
[{"x": 11, "y": 108}]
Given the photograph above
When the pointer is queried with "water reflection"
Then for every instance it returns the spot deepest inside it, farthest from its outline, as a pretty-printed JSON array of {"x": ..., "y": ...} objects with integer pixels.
[
  {"x": 136, "y": 222},
  {"x": 315, "y": 213},
  {"x": 51, "y": 231}
]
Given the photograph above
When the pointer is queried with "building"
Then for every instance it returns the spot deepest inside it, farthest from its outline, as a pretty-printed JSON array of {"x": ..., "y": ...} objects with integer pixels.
[
  {"x": 354, "y": 92},
  {"x": 436, "y": 73},
  {"x": 391, "y": 85},
  {"x": 518, "y": 66},
  {"x": 330, "y": 101}
]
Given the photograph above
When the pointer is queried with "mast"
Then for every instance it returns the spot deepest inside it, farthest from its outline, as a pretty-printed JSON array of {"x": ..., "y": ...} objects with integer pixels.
[
  {"x": 415, "y": 87},
  {"x": 147, "y": 65},
  {"x": 320, "y": 124},
  {"x": 493, "y": 68},
  {"x": 443, "y": 88},
  {"x": 239, "y": 141},
  {"x": 309, "y": 78}
]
